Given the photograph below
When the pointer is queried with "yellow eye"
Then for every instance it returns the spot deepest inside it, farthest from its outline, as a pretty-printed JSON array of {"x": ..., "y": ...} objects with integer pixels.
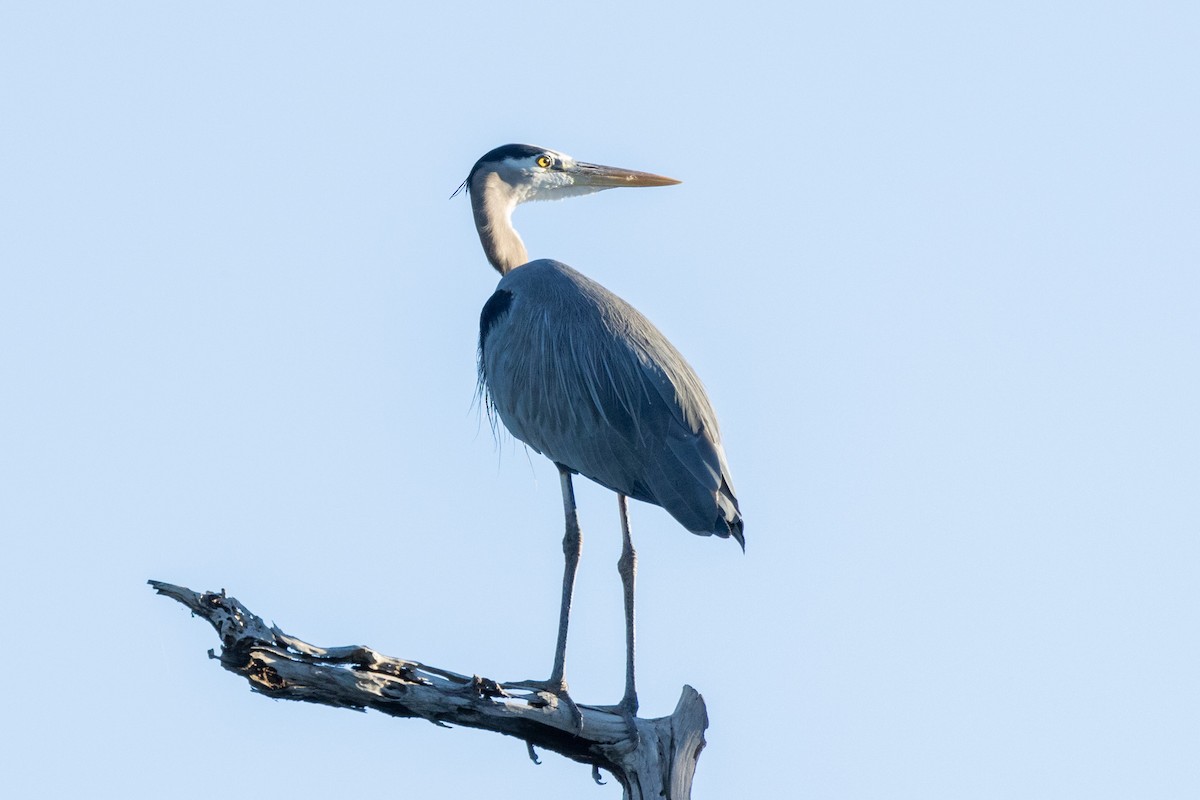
[{"x": 544, "y": 162}]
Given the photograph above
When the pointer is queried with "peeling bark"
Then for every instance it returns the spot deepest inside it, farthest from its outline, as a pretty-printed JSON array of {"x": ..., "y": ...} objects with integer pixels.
[{"x": 653, "y": 759}]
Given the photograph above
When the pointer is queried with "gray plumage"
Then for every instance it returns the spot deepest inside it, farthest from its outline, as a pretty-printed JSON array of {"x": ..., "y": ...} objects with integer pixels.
[
  {"x": 582, "y": 377},
  {"x": 585, "y": 379}
]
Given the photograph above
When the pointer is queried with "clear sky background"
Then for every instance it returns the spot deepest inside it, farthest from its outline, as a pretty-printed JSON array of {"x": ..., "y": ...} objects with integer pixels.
[{"x": 936, "y": 263}]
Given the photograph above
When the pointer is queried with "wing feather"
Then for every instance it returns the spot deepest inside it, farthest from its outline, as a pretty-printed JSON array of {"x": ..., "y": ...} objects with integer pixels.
[{"x": 582, "y": 377}]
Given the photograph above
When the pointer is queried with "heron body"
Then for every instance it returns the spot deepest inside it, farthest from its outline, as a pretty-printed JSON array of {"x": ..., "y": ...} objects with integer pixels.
[
  {"x": 582, "y": 377},
  {"x": 585, "y": 379}
]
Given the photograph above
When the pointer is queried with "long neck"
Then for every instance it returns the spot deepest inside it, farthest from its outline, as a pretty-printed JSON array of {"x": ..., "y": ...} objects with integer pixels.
[{"x": 492, "y": 202}]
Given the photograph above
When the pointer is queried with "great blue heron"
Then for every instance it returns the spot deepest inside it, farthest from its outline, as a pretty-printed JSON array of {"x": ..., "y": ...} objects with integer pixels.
[{"x": 582, "y": 377}]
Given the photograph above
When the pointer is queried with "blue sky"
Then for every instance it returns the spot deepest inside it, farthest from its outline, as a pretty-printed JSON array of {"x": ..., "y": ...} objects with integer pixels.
[{"x": 935, "y": 262}]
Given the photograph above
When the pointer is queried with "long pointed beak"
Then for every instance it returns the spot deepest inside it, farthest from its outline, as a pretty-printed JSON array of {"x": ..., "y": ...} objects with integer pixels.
[{"x": 604, "y": 177}]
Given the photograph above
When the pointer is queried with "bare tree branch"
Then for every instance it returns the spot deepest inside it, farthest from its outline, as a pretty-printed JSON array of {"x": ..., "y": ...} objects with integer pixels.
[{"x": 652, "y": 758}]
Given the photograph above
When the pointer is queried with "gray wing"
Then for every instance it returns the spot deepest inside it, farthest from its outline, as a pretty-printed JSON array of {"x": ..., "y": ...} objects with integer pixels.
[{"x": 582, "y": 377}]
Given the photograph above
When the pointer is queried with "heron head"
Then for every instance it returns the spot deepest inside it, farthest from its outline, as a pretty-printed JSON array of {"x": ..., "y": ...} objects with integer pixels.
[{"x": 526, "y": 172}]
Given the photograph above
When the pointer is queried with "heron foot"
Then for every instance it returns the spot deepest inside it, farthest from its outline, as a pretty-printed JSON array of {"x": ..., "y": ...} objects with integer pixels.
[
  {"x": 559, "y": 690},
  {"x": 627, "y": 709}
]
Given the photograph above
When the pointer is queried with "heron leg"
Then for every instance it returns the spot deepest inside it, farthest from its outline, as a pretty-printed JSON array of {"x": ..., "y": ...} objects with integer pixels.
[
  {"x": 573, "y": 546},
  {"x": 627, "y": 567}
]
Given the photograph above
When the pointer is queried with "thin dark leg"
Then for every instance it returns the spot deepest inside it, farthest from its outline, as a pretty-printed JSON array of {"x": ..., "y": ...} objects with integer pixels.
[
  {"x": 572, "y": 547},
  {"x": 627, "y": 566}
]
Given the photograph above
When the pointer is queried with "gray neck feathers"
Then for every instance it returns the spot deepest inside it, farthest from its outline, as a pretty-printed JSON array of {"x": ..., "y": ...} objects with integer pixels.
[{"x": 492, "y": 202}]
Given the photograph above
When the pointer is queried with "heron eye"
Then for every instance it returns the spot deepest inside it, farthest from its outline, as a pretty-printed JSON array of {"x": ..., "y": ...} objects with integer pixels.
[{"x": 544, "y": 162}]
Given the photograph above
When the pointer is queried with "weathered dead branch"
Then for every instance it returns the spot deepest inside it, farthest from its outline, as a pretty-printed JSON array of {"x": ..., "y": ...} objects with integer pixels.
[{"x": 654, "y": 759}]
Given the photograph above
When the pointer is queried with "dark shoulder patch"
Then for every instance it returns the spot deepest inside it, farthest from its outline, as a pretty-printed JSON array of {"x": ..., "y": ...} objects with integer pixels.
[{"x": 493, "y": 311}]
